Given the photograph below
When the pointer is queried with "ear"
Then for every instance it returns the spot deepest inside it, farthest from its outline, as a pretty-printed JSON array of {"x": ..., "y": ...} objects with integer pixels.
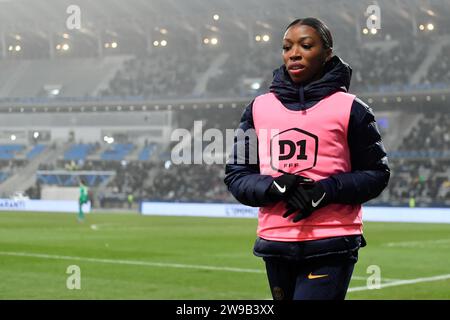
[{"x": 328, "y": 54}]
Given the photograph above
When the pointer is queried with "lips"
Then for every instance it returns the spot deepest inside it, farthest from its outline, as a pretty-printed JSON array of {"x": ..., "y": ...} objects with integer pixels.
[{"x": 296, "y": 68}]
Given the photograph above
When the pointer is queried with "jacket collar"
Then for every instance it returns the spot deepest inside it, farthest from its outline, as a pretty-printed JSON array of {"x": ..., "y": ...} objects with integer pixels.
[{"x": 337, "y": 76}]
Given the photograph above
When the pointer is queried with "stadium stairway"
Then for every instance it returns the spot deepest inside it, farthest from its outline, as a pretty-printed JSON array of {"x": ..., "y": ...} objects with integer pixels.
[
  {"x": 97, "y": 154},
  {"x": 134, "y": 154},
  {"x": 215, "y": 66},
  {"x": 433, "y": 53},
  {"x": 404, "y": 123},
  {"x": 152, "y": 174},
  {"x": 26, "y": 176},
  {"x": 147, "y": 152},
  {"x": 111, "y": 65}
]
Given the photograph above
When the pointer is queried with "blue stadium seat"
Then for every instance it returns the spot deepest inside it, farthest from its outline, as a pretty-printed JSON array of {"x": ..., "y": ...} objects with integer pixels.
[
  {"x": 37, "y": 149},
  {"x": 117, "y": 152},
  {"x": 67, "y": 180},
  {"x": 78, "y": 151},
  {"x": 8, "y": 151},
  {"x": 147, "y": 152}
]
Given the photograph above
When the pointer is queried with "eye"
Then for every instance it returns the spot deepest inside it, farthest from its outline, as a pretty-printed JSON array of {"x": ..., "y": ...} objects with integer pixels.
[
  {"x": 306, "y": 46},
  {"x": 286, "y": 48}
]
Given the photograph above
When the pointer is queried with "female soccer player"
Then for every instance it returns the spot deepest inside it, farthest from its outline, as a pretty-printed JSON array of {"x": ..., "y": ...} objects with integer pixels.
[{"x": 319, "y": 156}]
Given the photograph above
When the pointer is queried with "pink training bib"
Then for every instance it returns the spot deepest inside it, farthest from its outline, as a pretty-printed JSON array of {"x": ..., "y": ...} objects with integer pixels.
[{"x": 312, "y": 143}]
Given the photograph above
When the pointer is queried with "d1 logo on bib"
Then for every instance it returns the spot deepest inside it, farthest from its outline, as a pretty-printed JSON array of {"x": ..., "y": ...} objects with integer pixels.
[{"x": 293, "y": 150}]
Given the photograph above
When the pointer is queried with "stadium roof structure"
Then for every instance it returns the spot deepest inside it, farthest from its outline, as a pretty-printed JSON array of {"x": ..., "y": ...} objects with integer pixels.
[
  {"x": 122, "y": 13},
  {"x": 40, "y": 21}
]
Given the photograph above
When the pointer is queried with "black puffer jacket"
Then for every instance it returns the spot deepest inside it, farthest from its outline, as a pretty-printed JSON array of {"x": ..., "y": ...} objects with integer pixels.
[{"x": 370, "y": 172}]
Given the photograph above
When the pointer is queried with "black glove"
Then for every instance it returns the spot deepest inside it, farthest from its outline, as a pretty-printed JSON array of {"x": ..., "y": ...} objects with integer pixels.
[
  {"x": 282, "y": 186},
  {"x": 306, "y": 198}
]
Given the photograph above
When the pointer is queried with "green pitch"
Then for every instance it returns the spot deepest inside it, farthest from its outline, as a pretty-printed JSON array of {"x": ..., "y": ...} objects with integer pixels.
[{"x": 125, "y": 256}]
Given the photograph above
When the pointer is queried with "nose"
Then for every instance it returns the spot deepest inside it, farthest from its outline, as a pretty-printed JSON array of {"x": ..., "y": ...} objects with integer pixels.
[{"x": 295, "y": 54}]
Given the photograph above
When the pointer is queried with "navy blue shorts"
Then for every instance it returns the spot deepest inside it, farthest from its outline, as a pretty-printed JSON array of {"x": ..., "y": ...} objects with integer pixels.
[{"x": 321, "y": 278}]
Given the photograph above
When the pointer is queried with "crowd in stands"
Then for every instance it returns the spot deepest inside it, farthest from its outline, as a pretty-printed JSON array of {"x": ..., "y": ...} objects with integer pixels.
[
  {"x": 189, "y": 183},
  {"x": 378, "y": 69},
  {"x": 242, "y": 70},
  {"x": 439, "y": 72},
  {"x": 158, "y": 75},
  {"x": 9, "y": 167},
  {"x": 424, "y": 181},
  {"x": 432, "y": 133},
  {"x": 248, "y": 70},
  {"x": 198, "y": 183}
]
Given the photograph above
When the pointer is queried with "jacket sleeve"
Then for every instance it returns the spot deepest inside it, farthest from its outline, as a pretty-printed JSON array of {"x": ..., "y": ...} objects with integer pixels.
[
  {"x": 242, "y": 174},
  {"x": 370, "y": 171}
]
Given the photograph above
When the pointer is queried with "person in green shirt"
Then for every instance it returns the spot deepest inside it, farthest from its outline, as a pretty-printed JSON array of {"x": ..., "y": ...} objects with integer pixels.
[
  {"x": 130, "y": 199},
  {"x": 84, "y": 198}
]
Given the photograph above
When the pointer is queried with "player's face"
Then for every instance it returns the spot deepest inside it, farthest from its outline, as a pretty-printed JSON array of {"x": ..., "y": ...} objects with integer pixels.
[{"x": 303, "y": 53}]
